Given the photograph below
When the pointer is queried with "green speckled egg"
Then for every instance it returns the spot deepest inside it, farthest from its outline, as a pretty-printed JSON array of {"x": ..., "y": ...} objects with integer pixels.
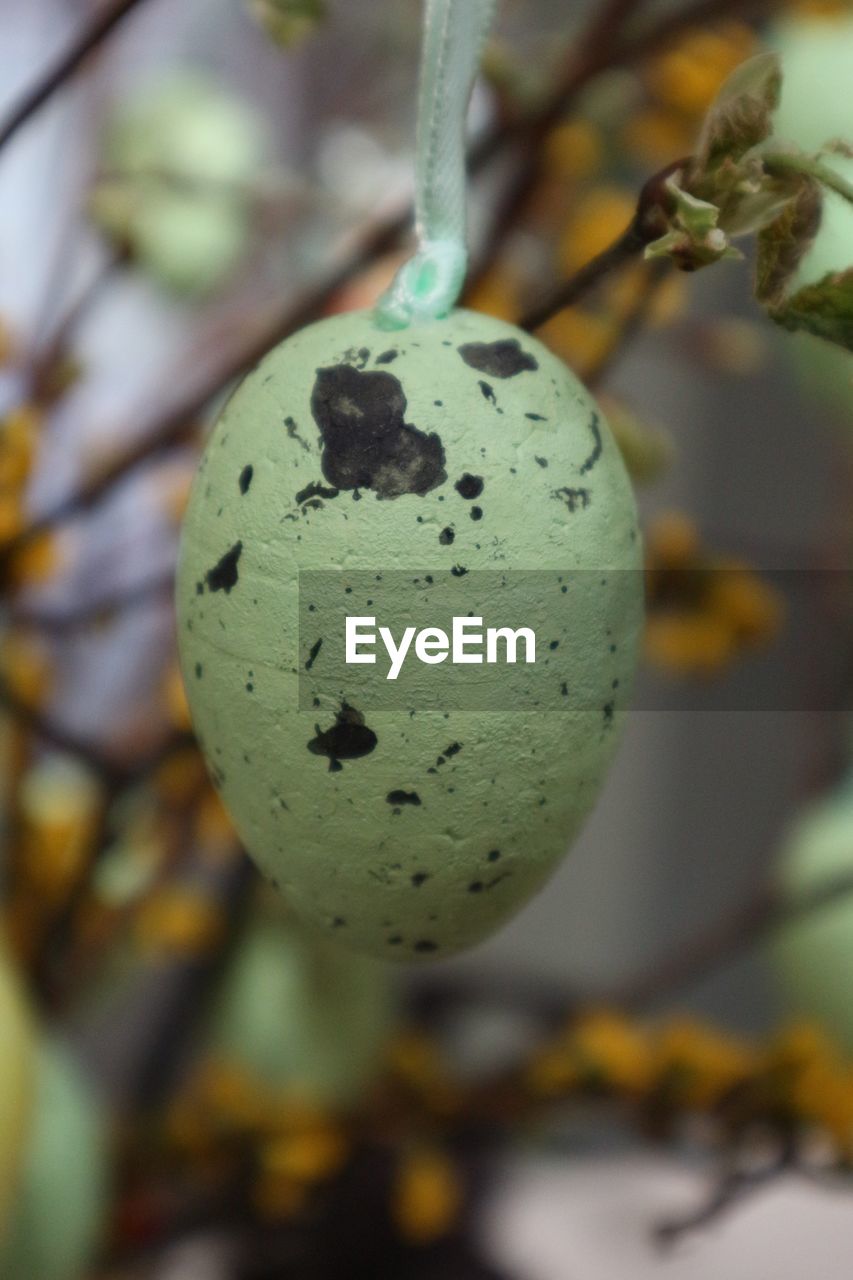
[
  {"x": 16, "y": 1065},
  {"x": 813, "y": 957},
  {"x": 60, "y": 1202},
  {"x": 457, "y": 446},
  {"x": 304, "y": 1016},
  {"x": 180, "y": 157},
  {"x": 817, "y": 57}
]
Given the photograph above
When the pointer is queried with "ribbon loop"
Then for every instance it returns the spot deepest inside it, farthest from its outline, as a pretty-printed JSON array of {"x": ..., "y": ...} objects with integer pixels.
[{"x": 429, "y": 284}]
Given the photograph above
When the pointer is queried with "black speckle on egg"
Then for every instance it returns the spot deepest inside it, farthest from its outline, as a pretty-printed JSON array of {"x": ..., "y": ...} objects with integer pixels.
[
  {"x": 502, "y": 359},
  {"x": 313, "y": 652},
  {"x": 314, "y": 490},
  {"x": 199, "y": 671},
  {"x": 246, "y": 479},
  {"x": 446, "y": 537},
  {"x": 488, "y": 392},
  {"x": 575, "y": 499},
  {"x": 425, "y": 944},
  {"x": 476, "y": 513},
  {"x": 419, "y": 878},
  {"x": 598, "y": 444},
  {"x": 403, "y": 797},
  {"x": 468, "y": 486},
  {"x": 293, "y": 433},
  {"x": 223, "y": 576},
  {"x": 349, "y": 738},
  {"x": 387, "y": 356},
  {"x": 458, "y": 571}
]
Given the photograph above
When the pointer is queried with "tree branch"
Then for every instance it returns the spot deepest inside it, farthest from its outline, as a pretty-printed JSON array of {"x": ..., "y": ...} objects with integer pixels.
[
  {"x": 726, "y": 938},
  {"x": 100, "y": 26}
]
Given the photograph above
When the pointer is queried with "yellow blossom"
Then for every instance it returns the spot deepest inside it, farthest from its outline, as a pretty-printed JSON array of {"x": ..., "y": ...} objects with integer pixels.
[
  {"x": 598, "y": 217},
  {"x": 658, "y": 136},
  {"x": 612, "y": 1051},
  {"x": 38, "y": 559},
  {"x": 688, "y": 644},
  {"x": 496, "y": 294},
  {"x": 700, "y": 1064},
  {"x": 178, "y": 920},
  {"x": 313, "y": 1155},
  {"x": 25, "y": 666},
  {"x": 574, "y": 150},
  {"x": 427, "y": 1196},
  {"x": 581, "y": 337},
  {"x": 552, "y": 1071},
  {"x": 688, "y": 75},
  {"x": 176, "y": 698},
  {"x": 59, "y": 805}
]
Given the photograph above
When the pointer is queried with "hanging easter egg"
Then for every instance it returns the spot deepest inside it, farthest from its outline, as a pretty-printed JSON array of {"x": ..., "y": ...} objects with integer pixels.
[
  {"x": 304, "y": 1017},
  {"x": 59, "y": 1205},
  {"x": 817, "y": 56},
  {"x": 179, "y": 158},
  {"x": 16, "y": 1067},
  {"x": 389, "y": 470},
  {"x": 812, "y": 956}
]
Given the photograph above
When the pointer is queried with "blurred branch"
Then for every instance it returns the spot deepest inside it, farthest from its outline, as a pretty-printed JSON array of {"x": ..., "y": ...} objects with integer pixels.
[
  {"x": 724, "y": 940},
  {"x": 60, "y": 622},
  {"x": 100, "y": 26},
  {"x": 110, "y": 771},
  {"x": 736, "y": 1185}
]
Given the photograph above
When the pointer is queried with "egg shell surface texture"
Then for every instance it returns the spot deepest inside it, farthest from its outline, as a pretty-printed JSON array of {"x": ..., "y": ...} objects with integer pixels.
[
  {"x": 61, "y": 1198},
  {"x": 458, "y": 445},
  {"x": 302, "y": 1015},
  {"x": 813, "y": 956}
]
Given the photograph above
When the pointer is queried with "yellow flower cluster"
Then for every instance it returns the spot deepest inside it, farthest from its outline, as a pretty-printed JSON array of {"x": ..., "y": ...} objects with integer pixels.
[
  {"x": 426, "y": 1195},
  {"x": 681, "y": 83},
  {"x": 683, "y": 1065},
  {"x": 704, "y": 610},
  {"x": 226, "y": 1116}
]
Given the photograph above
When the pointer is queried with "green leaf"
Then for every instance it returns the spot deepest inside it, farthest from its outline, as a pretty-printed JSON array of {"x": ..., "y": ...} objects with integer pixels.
[
  {"x": 824, "y": 309},
  {"x": 783, "y": 243},
  {"x": 742, "y": 114},
  {"x": 694, "y": 238}
]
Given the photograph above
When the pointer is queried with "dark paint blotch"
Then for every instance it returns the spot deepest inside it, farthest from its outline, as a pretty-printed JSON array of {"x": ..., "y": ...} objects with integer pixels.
[
  {"x": 595, "y": 428},
  {"x": 468, "y": 486},
  {"x": 575, "y": 499},
  {"x": 502, "y": 359},
  {"x": 312, "y": 654},
  {"x": 367, "y": 444},
  {"x": 224, "y": 576},
  {"x": 349, "y": 738},
  {"x": 314, "y": 490},
  {"x": 403, "y": 797}
]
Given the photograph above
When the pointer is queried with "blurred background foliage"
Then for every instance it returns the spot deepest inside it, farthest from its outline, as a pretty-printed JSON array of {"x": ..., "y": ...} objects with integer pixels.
[{"x": 189, "y": 1084}]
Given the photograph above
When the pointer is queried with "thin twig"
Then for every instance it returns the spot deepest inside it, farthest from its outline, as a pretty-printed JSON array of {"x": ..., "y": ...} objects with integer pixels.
[
  {"x": 630, "y": 325},
  {"x": 726, "y": 938},
  {"x": 732, "y": 1189},
  {"x": 101, "y": 25},
  {"x": 623, "y": 249}
]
